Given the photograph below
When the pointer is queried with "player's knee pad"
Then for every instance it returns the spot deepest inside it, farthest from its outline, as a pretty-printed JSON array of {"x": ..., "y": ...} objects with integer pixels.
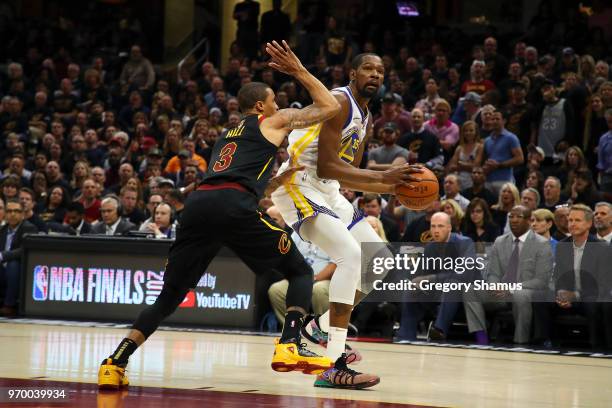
[{"x": 347, "y": 276}]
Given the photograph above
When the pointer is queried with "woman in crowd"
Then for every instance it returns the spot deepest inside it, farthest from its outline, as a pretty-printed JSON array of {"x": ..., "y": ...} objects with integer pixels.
[
  {"x": 542, "y": 221},
  {"x": 54, "y": 208},
  {"x": 467, "y": 155},
  {"x": 508, "y": 197},
  {"x": 80, "y": 172},
  {"x": 172, "y": 145},
  {"x": 134, "y": 182},
  {"x": 378, "y": 227},
  {"x": 535, "y": 179},
  {"x": 583, "y": 191},
  {"x": 573, "y": 162},
  {"x": 478, "y": 224},
  {"x": 40, "y": 185},
  {"x": 452, "y": 208},
  {"x": 10, "y": 187}
]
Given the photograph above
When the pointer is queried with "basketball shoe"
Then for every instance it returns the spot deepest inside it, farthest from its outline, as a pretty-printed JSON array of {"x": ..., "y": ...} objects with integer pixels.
[
  {"x": 312, "y": 331},
  {"x": 294, "y": 356},
  {"x": 111, "y": 376},
  {"x": 340, "y": 376}
]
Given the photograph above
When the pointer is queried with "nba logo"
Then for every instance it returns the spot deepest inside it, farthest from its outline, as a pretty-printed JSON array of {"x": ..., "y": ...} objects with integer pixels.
[{"x": 41, "y": 283}]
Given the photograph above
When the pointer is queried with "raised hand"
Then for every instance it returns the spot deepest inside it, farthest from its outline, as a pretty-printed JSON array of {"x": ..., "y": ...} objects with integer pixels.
[{"x": 283, "y": 59}]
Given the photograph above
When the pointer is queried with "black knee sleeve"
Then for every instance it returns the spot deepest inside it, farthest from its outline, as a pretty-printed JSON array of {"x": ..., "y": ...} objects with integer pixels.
[
  {"x": 168, "y": 300},
  {"x": 300, "y": 277}
]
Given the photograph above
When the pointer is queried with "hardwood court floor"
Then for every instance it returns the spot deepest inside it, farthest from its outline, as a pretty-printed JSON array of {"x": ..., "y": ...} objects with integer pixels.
[{"x": 233, "y": 371}]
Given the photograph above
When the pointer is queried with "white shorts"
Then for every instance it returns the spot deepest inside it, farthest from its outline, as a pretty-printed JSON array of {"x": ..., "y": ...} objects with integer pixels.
[{"x": 307, "y": 196}]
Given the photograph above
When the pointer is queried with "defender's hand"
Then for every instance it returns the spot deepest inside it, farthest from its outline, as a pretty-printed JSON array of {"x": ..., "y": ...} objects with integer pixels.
[{"x": 283, "y": 59}]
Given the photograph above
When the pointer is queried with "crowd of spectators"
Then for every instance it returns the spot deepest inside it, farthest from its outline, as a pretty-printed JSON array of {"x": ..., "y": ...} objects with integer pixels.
[{"x": 90, "y": 145}]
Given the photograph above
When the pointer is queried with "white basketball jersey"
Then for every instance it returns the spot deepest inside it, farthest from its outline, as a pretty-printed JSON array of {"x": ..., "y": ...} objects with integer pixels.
[{"x": 304, "y": 143}]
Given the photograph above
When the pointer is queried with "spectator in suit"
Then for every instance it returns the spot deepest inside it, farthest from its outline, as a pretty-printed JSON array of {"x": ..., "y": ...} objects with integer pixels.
[
  {"x": 28, "y": 199},
  {"x": 580, "y": 281},
  {"x": 112, "y": 223},
  {"x": 75, "y": 218},
  {"x": 446, "y": 244},
  {"x": 163, "y": 224},
  {"x": 129, "y": 206},
  {"x": 11, "y": 236},
  {"x": 602, "y": 220},
  {"x": 520, "y": 256},
  {"x": 373, "y": 206}
]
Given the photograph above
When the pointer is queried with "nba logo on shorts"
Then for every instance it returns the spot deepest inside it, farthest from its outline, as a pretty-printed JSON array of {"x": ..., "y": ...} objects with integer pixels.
[{"x": 41, "y": 283}]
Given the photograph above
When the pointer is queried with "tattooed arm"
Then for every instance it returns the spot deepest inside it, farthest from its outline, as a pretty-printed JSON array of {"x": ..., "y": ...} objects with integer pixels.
[{"x": 324, "y": 104}]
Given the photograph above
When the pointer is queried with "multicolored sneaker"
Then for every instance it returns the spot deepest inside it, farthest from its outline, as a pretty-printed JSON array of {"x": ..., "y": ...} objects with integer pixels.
[
  {"x": 311, "y": 330},
  {"x": 111, "y": 376},
  {"x": 340, "y": 376},
  {"x": 294, "y": 356}
]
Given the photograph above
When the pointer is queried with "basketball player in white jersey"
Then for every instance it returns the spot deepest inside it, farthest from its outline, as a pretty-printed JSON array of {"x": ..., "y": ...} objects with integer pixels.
[{"x": 311, "y": 203}]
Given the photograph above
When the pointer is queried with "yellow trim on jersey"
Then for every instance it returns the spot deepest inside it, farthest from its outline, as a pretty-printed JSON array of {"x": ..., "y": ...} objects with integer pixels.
[
  {"x": 296, "y": 151},
  {"x": 265, "y": 167},
  {"x": 299, "y": 200},
  {"x": 270, "y": 225},
  {"x": 302, "y": 143}
]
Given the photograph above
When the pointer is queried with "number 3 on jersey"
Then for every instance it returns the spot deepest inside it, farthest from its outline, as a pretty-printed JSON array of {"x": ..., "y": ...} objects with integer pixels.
[{"x": 225, "y": 157}]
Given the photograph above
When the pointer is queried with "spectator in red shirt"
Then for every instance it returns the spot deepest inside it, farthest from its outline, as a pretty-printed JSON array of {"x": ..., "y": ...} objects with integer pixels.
[
  {"x": 91, "y": 202},
  {"x": 477, "y": 83}
]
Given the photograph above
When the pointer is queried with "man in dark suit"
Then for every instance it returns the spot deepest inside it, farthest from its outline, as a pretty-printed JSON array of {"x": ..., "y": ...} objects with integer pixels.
[
  {"x": 581, "y": 281},
  {"x": 75, "y": 218},
  {"x": 112, "y": 223},
  {"x": 11, "y": 236},
  {"x": 445, "y": 245}
]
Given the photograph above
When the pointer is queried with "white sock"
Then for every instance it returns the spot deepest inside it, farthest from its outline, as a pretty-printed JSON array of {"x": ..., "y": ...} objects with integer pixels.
[
  {"x": 324, "y": 321},
  {"x": 336, "y": 342}
]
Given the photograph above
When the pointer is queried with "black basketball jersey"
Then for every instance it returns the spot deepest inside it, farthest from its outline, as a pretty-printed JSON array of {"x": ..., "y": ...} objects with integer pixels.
[{"x": 242, "y": 155}]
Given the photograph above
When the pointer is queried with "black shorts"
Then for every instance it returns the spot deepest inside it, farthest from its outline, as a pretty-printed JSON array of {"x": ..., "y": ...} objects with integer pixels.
[{"x": 227, "y": 217}]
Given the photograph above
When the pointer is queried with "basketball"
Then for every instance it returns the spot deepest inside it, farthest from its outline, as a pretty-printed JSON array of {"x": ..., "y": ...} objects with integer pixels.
[{"x": 418, "y": 195}]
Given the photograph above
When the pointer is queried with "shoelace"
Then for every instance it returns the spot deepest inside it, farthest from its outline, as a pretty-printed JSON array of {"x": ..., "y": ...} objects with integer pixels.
[
  {"x": 305, "y": 352},
  {"x": 344, "y": 374}
]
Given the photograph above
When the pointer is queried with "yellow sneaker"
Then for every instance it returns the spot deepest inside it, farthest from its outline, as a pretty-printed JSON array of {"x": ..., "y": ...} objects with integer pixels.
[
  {"x": 296, "y": 357},
  {"x": 111, "y": 376}
]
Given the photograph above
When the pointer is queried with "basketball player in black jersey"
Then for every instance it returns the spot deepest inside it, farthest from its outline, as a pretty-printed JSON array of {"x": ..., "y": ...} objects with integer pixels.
[{"x": 223, "y": 212}]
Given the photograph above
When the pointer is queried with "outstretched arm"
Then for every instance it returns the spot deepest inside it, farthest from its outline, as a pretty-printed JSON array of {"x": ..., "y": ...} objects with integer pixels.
[{"x": 324, "y": 104}]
